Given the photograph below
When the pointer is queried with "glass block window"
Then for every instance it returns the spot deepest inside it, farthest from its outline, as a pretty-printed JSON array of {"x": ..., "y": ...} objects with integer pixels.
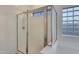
[
  {"x": 70, "y": 18},
  {"x": 41, "y": 13}
]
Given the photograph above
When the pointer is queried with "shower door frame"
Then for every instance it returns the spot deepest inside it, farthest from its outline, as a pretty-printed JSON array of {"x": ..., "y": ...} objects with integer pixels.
[
  {"x": 26, "y": 33},
  {"x": 53, "y": 42}
]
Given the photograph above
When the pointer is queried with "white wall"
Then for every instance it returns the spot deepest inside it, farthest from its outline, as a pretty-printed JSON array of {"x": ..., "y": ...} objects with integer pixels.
[
  {"x": 7, "y": 29},
  {"x": 23, "y": 8}
]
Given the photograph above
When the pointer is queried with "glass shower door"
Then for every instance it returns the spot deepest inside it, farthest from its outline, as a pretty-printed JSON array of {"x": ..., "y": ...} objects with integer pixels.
[{"x": 22, "y": 33}]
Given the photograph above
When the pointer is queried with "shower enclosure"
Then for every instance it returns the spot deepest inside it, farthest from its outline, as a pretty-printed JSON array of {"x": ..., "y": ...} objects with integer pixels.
[{"x": 36, "y": 29}]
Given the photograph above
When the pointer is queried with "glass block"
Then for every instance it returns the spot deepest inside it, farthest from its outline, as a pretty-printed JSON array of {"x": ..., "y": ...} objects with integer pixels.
[
  {"x": 76, "y": 12},
  {"x": 64, "y": 14},
  {"x": 76, "y": 17},
  {"x": 70, "y": 9},
  {"x": 76, "y": 8},
  {"x": 70, "y": 13},
  {"x": 64, "y": 10}
]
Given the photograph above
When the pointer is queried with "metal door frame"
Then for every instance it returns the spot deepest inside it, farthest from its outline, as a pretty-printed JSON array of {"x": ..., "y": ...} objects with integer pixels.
[{"x": 26, "y": 33}]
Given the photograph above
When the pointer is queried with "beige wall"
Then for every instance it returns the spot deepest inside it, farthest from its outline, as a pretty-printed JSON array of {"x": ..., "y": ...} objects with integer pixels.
[
  {"x": 7, "y": 29},
  {"x": 23, "y": 8},
  {"x": 37, "y": 6}
]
